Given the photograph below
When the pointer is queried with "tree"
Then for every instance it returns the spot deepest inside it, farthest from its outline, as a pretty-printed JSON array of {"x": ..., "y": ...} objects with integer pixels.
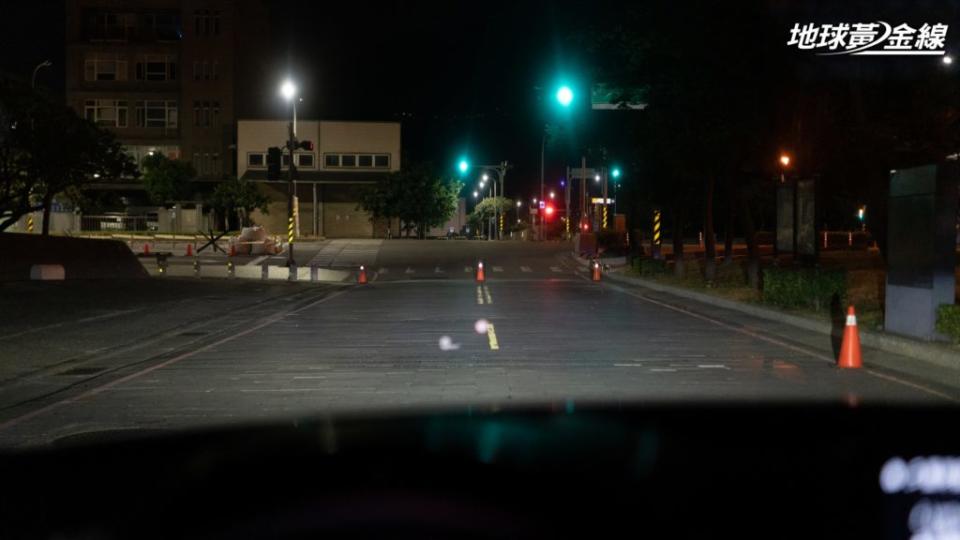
[
  {"x": 240, "y": 197},
  {"x": 167, "y": 180},
  {"x": 417, "y": 196},
  {"x": 45, "y": 150}
]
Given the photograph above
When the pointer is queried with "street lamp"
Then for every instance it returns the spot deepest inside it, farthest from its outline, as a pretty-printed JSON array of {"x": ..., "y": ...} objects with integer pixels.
[
  {"x": 519, "y": 204},
  {"x": 947, "y": 59},
  {"x": 33, "y": 78},
  {"x": 785, "y": 160},
  {"x": 596, "y": 178},
  {"x": 552, "y": 195},
  {"x": 289, "y": 91},
  {"x": 475, "y": 194},
  {"x": 464, "y": 165},
  {"x": 485, "y": 177}
]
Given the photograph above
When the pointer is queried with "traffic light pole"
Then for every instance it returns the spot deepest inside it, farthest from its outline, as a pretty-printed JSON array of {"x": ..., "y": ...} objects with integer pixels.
[{"x": 291, "y": 169}]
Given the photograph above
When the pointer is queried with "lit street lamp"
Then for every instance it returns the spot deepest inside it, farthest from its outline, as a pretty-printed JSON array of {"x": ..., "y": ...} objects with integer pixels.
[
  {"x": 947, "y": 59},
  {"x": 475, "y": 194},
  {"x": 289, "y": 91}
]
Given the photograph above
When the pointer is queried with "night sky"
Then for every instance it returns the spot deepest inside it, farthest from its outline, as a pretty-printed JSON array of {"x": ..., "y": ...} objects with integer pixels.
[{"x": 463, "y": 77}]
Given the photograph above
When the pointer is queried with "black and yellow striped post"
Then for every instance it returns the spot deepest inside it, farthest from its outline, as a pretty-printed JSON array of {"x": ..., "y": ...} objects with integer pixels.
[
  {"x": 604, "y": 215},
  {"x": 30, "y": 223},
  {"x": 290, "y": 234},
  {"x": 655, "y": 243},
  {"x": 501, "y": 226}
]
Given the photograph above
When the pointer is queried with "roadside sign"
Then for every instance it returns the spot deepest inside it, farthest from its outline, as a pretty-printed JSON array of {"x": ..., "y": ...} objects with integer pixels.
[
  {"x": 599, "y": 200},
  {"x": 533, "y": 211}
]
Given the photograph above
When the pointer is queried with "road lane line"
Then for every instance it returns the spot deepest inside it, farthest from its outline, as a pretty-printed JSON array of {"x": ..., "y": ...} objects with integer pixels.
[
  {"x": 525, "y": 269},
  {"x": 257, "y": 261},
  {"x": 486, "y": 290},
  {"x": 555, "y": 269},
  {"x": 78, "y": 321},
  {"x": 479, "y": 296},
  {"x": 409, "y": 270},
  {"x": 712, "y": 366},
  {"x": 106, "y": 386},
  {"x": 384, "y": 271},
  {"x": 498, "y": 269},
  {"x": 492, "y": 337},
  {"x": 749, "y": 332},
  {"x": 437, "y": 270},
  {"x": 467, "y": 269}
]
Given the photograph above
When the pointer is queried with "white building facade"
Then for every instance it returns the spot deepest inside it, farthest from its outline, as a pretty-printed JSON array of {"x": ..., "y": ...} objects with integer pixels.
[{"x": 347, "y": 156}]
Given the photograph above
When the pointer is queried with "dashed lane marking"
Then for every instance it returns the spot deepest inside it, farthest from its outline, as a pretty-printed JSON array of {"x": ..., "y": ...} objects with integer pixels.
[
  {"x": 384, "y": 270},
  {"x": 409, "y": 271},
  {"x": 492, "y": 337},
  {"x": 479, "y": 295},
  {"x": 525, "y": 269},
  {"x": 498, "y": 269},
  {"x": 486, "y": 290},
  {"x": 467, "y": 269},
  {"x": 555, "y": 269}
]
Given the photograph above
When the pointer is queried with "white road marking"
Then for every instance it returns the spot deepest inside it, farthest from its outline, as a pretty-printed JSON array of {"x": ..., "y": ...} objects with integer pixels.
[
  {"x": 555, "y": 269},
  {"x": 467, "y": 269},
  {"x": 498, "y": 269},
  {"x": 384, "y": 271},
  {"x": 438, "y": 270},
  {"x": 525, "y": 269},
  {"x": 479, "y": 295},
  {"x": 712, "y": 366},
  {"x": 664, "y": 370},
  {"x": 489, "y": 296},
  {"x": 409, "y": 271},
  {"x": 257, "y": 261}
]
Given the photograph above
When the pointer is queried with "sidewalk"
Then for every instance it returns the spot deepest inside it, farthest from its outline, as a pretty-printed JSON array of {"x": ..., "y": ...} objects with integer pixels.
[{"x": 934, "y": 362}]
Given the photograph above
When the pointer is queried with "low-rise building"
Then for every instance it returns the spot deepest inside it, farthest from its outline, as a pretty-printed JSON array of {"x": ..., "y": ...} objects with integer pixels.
[{"x": 347, "y": 156}]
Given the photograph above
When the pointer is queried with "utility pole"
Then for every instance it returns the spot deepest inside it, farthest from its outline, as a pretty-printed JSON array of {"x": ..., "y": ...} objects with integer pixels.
[
  {"x": 566, "y": 196},
  {"x": 583, "y": 191},
  {"x": 606, "y": 182},
  {"x": 291, "y": 172},
  {"x": 543, "y": 148}
]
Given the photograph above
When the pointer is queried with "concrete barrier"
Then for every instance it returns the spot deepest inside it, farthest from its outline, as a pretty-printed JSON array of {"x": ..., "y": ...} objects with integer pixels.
[{"x": 80, "y": 258}]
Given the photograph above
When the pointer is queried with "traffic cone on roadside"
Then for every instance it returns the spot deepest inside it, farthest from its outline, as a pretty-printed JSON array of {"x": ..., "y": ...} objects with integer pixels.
[
  {"x": 146, "y": 248},
  {"x": 233, "y": 250},
  {"x": 362, "y": 278},
  {"x": 596, "y": 271},
  {"x": 480, "y": 274},
  {"x": 189, "y": 250},
  {"x": 850, "y": 348}
]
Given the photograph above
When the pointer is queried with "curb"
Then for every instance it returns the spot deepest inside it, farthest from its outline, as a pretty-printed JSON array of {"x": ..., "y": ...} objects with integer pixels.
[{"x": 937, "y": 355}]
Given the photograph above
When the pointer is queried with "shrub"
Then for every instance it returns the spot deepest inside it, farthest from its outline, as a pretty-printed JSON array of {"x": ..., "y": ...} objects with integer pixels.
[
  {"x": 948, "y": 321},
  {"x": 815, "y": 289},
  {"x": 649, "y": 267},
  {"x": 730, "y": 275}
]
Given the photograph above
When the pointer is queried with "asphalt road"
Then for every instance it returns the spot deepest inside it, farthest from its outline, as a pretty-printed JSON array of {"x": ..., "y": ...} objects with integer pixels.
[{"x": 87, "y": 359}]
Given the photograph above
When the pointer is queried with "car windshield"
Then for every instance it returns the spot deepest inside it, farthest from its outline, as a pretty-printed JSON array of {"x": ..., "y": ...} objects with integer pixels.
[{"x": 231, "y": 213}]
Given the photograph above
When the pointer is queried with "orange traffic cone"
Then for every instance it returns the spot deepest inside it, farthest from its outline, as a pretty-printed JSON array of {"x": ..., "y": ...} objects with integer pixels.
[
  {"x": 362, "y": 278},
  {"x": 233, "y": 250},
  {"x": 596, "y": 271},
  {"x": 480, "y": 274},
  {"x": 189, "y": 250},
  {"x": 850, "y": 348},
  {"x": 146, "y": 248}
]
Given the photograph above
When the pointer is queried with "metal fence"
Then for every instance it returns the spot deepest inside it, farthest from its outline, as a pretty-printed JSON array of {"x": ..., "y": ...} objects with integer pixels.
[{"x": 116, "y": 223}]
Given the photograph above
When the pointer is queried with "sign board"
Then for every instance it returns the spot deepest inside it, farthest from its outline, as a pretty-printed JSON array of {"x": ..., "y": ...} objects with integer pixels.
[
  {"x": 806, "y": 219},
  {"x": 613, "y": 97},
  {"x": 533, "y": 211},
  {"x": 542, "y": 205},
  {"x": 577, "y": 172},
  {"x": 599, "y": 200},
  {"x": 785, "y": 218}
]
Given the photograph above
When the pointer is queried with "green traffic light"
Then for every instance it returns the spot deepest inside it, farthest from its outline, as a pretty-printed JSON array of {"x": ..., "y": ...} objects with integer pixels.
[
  {"x": 565, "y": 96},
  {"x": 615, "y": 172},
  {"x": 463, "y": 165}
]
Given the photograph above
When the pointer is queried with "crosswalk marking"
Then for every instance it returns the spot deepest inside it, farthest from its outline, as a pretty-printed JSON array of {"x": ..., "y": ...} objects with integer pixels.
[
  {"x": 498, "y": 269},
  {"x": 525, "y": 269}
]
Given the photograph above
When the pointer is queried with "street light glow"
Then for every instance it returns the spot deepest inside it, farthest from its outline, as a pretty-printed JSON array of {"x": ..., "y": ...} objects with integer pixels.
[
  {"x": 475, "y": 194},
  {"x": 288, "y": 90},
  {"x": 785, "y": 160},
  {"x": 615, "y": 172},
  {"x": 485, "y": 177},
  {"x": 565, "y": 95},
  {"x": 463, "y": 165},
  {"x": 552, "y": 195},
  {"x": 947, "y": 59},
  {"x": 596, "y": 178},
  {"x": 518, "y": 205}
]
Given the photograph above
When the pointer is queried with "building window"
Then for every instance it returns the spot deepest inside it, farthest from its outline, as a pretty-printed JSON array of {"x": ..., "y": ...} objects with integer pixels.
[
  {"x": 381, "y": 161},
  {"x": 206, "y": 22},
  {"x": 155, "y": 114},
  {"x": 331, "y": 160},
  {"x": 165, "y": 26},
  {"x": 106, "y": 112},
  {"x": 256, "y": 160},
  {"x": 305, "y": 161},
  {"x": 348, "y": 160},
  {"x": 104, "y": 68},
  {"x": 157, "y": 68},
  {"x": 107, "y": 25},
  {"x": 365, "y": 161}
]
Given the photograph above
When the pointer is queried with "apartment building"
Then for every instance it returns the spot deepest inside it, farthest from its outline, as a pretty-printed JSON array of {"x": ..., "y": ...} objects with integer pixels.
[{"x": 162, "y": 74}]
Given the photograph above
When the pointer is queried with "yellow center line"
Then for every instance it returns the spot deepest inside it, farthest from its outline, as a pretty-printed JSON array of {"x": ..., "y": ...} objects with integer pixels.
[
  {"x": 489, "y": 296},
  {"x": 492, "y": 337}
]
